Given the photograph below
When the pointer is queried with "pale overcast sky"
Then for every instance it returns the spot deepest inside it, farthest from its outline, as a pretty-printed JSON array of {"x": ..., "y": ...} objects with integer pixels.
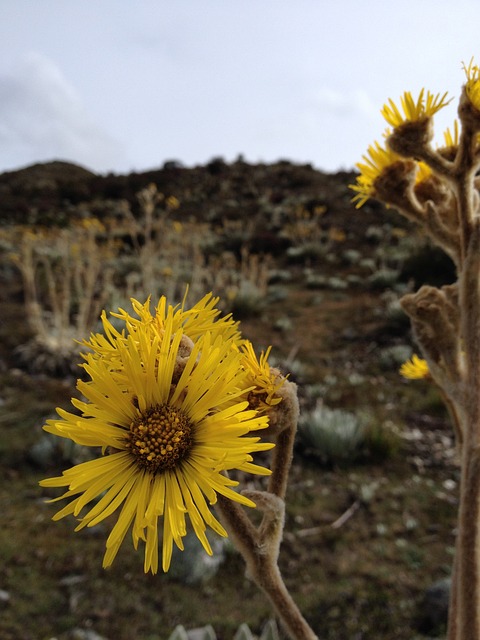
[{"x": 122, "y": 85}]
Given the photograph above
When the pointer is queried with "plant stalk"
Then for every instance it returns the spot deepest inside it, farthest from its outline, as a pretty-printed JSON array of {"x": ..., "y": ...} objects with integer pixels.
[
  {"x": 464, "y": 623},
  {"x": 261, "y": 562}
]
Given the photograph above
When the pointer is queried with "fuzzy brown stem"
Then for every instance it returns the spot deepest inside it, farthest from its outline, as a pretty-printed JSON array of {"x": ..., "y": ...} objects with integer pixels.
[
  {"x": 465, "y": 596},
  {"x": 465, "y": 199},
  {"x": 269, "y": 579},
  {"x": 455, "y": 418},
  {"x": 285, "y": 418},
  {"x": 261, "y": 561},
  {"x": 281, "y": 462}
]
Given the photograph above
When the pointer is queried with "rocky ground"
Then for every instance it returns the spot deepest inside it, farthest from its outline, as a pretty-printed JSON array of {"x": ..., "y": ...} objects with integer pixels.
[{"x": 369, "y": 530}]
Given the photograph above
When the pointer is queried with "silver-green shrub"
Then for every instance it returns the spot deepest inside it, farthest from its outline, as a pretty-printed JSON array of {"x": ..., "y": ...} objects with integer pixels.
[
  {"x": 332, "y": 435},
  {"x": 269, "y": 632}
]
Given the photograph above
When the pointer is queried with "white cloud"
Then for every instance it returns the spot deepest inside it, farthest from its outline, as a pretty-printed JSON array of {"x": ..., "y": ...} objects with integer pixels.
[
  {"x": 344, "y": 104},
  {"x": 43, "y": 117}
]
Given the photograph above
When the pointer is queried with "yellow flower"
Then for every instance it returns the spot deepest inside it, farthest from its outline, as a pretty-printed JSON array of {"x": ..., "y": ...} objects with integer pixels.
[
  {"x": 377, "y": 160},
  {"x": 194, "y": 322},
  {"x": 337, "y": 235},
  {"x": 415, "y": 369},
  {"x": 451, "y": 139},
  {"x": 91, "y": 224},
  {"x": 413, "y": 111},
  {"x": 265, "y": 383},
  {"x": 172, "y": 203},
  {"x": 472, "y": 86},
  {"x": 170, "y": 413},
  {"x": 423, "y": 172},
  {"x": 167, "y": 272}
]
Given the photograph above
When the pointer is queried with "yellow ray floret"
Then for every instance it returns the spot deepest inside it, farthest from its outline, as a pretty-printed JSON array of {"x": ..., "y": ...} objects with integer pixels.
[
  {"x": 423, "y": 107},
  {"x": 376, "y": 160},
  {"x": 472, "y": 86},
  {"x": 194, "y": 322},
  {"x": 170, "y": 412},
  {"x": 415, "y": 369},
  {"x": 451, "y": 138},
  {"x": 423, "y": 172}
]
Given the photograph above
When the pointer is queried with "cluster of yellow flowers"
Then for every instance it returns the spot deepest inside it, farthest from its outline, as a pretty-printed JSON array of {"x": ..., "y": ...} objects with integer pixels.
[
  {"x": 379, "y": 158},
  {"x": 169, "y": 402}
]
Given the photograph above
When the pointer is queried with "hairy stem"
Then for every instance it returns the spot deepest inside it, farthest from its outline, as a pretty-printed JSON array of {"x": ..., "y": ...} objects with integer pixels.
[
  {"x": 260, "y": 546},
  {"x": 260, "y": 555},
  {"x": 465, "y": 596},
  {"x": 464, "y": 623}
]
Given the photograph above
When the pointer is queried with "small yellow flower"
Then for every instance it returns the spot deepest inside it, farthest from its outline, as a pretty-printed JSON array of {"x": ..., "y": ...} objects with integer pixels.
[
  {"x": 399, "y": 233},
  {"x": 171, "y": 414},
  {"x": 172, "y": 203},
  {"x": 415, "y": 369},
  {"x": 91, "y": 224},
  {"x": 378, "y": 158},
  {"x": 15, "y": 257},
  {"x": 413, "y": 111},
  {"x": 423, "y": 172},
  {"x": 319, "y": 210},
  {"x": 265, "y": 383},
  {"x": 336, "y": 234},
  {"x": 451, "y": 139},
  {"x": 472, "y": 86}
]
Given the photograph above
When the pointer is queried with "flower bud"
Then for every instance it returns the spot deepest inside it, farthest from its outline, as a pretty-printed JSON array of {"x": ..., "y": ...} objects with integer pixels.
[{"x": 411, "y": 137}]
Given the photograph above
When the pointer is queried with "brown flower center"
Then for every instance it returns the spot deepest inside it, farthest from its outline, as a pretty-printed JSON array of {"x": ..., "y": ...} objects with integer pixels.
[{"x": 160, "y": 438}]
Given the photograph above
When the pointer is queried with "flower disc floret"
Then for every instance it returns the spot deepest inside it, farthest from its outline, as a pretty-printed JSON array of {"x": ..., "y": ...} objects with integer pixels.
[
  {"x": 413, "y": 111},
  {"x": 160, "y": 438}
]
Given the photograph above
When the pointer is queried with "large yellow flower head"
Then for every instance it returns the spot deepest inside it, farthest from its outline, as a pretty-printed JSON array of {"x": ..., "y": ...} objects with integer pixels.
[
  {"x": 472, "y": 86},
  {"x": 413, "y": 111},
  {"x": 378, "y": 159},
  {"x": 170, "y": 412}
]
